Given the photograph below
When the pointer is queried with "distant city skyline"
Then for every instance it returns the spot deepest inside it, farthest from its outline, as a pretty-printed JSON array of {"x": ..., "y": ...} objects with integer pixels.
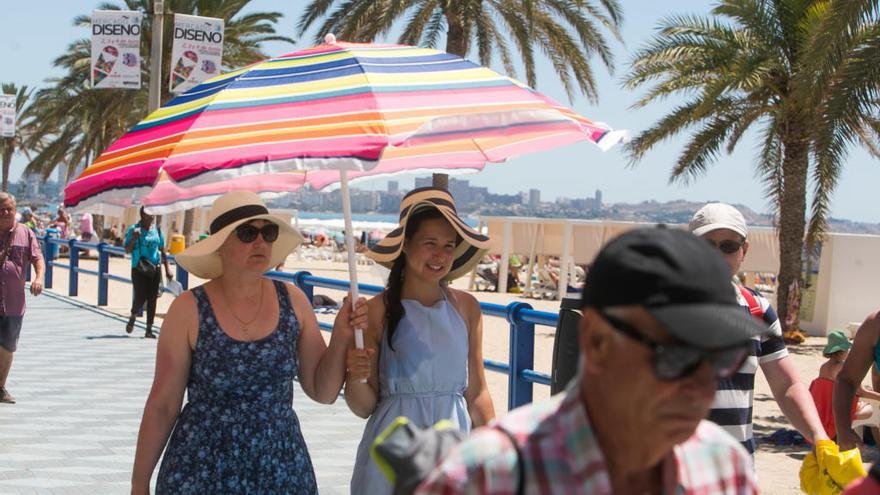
[{"x": 572, "y": 171}]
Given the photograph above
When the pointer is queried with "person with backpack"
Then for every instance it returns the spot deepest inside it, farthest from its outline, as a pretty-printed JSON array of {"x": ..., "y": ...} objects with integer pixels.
[
  {"x": 423, "y": 358},
  {"x": 660, "y": 328},
  {"x": 724, "y": 227}
]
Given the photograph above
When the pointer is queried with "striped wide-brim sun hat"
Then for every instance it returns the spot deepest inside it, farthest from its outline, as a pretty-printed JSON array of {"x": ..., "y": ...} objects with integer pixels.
[{"x": 467, "y": 253}]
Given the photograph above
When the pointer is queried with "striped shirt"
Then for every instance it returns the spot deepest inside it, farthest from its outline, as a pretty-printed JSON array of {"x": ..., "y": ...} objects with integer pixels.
[
  {"x": 561, "y": 455},
  {"x": 732, "y": 409}
]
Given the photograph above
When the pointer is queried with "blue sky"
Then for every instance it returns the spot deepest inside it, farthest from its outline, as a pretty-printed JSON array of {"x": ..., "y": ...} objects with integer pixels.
[{"x": 33, "y": 33}]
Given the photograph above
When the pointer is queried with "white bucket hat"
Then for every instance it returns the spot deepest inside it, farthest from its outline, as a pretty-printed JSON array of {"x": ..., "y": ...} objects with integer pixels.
[{"x": 228, "y": 212}]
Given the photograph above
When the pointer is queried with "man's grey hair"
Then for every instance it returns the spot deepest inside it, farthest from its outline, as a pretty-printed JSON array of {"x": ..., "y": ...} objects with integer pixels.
[{"x": 5, "y": 196}]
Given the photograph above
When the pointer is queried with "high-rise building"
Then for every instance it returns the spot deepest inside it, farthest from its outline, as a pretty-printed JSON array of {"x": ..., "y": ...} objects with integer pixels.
[
  {"x": 393, "y": 186},
  {"x": 534, "y": 198},
  {"x": 598, "y": 199},
  {"x": 33, "y": 185}
]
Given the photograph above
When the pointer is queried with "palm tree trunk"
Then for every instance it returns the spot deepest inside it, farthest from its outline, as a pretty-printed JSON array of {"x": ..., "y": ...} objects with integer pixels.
[
  {"x": 792, "y": 224},
  {"x": 188, "y": 220},
  {"x": 455, "y": 40},
  {"x": 457, "y": 45},
  {"x": 8, "y": 149}
]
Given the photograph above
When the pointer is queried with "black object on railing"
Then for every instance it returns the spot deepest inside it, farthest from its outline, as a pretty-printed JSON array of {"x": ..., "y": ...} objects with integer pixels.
[{"x": 566, "y": 348}]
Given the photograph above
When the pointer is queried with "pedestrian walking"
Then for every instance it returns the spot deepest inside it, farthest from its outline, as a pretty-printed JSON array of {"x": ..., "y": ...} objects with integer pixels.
[
  {"x": 724, "y": 228},
  {"x": 424, "y": 342},
  {"x": 234, "y": 345},
  {"x": 147, "y": 247},
  {"x": 18, "y": 249}
]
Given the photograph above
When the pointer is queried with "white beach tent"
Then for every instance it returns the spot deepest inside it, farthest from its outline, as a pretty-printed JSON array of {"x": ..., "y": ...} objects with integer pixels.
[{"x": 578, "y": 242}]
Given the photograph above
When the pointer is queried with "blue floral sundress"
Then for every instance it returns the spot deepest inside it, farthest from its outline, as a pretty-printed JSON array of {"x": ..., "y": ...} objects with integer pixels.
[{"x": 238, "y": 432}]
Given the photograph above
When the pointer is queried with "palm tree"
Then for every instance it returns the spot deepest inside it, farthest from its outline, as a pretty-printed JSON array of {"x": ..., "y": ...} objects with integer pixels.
[
  {"x": 745, "y": 67},
  {"x": 569, "y": 33},
  {"x": 9, "y": 145},
  {"x": 76, "y": 123},
  {"x": 844, "y": 58}
]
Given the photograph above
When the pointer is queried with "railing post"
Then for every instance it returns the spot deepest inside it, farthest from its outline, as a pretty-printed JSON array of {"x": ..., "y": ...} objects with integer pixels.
[
  {"x": 47, "y": 259},
  {"x": 103, "y": 270},
  {"x": 182, "y": 275},
  {"x": 73, "y": 272},
  {"x": 299, "y": 279},
  {"x": 522, "y": 356}
]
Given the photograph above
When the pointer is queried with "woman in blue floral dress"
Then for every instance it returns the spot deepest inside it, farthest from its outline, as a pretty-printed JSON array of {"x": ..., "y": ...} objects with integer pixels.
[{"x": 234, "y": 345}]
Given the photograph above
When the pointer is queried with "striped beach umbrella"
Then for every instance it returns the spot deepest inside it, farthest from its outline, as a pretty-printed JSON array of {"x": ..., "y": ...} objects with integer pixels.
[
  {"x": 368, "y": 109},
  {"x": 321, "y": 115}
]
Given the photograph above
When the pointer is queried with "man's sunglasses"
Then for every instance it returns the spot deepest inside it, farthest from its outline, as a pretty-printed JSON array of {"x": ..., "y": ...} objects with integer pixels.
[
  {"x": 726, "y": 246},
  {"x": 676, "y": 361},
  {"x": 248, "y": 232}
]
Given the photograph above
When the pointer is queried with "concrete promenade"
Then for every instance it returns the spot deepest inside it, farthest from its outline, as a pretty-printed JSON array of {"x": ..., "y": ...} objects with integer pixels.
[{"x": 81, "y": 383}]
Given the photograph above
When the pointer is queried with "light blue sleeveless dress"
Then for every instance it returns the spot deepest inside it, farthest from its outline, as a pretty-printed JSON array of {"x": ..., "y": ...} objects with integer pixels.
[{"x": 423, "y": 378}]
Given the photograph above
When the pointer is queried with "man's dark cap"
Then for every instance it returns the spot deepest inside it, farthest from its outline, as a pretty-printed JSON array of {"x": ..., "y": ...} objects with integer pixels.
[{"x": 680, "y": 279}]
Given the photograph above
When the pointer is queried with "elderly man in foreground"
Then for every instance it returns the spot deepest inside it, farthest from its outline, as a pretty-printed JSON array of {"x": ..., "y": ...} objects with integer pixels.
[{"x": 660, "y": 327}]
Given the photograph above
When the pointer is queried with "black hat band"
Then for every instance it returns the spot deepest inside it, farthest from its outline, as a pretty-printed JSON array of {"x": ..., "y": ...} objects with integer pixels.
[{"x": 237, "y": 214}]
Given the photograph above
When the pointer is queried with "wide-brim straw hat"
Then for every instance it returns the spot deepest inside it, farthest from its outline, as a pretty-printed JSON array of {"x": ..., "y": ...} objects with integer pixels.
[
  {"x": 228, "y": 212},
  {"x": 468, "y": 252}
]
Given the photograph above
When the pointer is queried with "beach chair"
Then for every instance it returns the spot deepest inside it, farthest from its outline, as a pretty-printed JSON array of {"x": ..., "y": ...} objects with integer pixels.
[
  {"x": 485, "y": 279},
  {"x": 547, "y": 286}
]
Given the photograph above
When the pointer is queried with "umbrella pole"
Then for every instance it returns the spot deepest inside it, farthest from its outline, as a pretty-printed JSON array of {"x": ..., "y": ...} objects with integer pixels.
[{"x": 349, "y": 244}]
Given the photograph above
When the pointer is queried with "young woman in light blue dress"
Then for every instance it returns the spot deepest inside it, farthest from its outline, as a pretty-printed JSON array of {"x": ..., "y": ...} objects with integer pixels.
[{"x": 423, "y": 357}]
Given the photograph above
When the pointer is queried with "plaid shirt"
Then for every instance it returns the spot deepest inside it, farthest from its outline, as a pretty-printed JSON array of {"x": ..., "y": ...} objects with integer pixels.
[{"x": 562, "y": 456}]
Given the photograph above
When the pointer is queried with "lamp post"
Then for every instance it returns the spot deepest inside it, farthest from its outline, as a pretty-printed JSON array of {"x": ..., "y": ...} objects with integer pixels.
[{"x": 155, "y": 98}]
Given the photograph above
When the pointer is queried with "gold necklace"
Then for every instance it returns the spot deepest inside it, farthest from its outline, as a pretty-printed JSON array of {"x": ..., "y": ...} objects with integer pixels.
[{"x": 244, "y": 324}]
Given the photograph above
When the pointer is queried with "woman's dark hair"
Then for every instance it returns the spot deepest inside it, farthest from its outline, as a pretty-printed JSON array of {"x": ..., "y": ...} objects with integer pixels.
[{"x": 393, "y": 306}]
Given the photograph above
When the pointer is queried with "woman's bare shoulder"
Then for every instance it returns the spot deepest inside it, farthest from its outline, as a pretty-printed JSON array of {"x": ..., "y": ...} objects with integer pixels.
[
  {"x": 870, "y": 327},
  {"x": 296, "y": 294},
  {"x": 377, "y": 302},
  {"x": 183, "y": 316},
  {"x": 465, "y": 302},
  {"x": 183, "y": 305}
]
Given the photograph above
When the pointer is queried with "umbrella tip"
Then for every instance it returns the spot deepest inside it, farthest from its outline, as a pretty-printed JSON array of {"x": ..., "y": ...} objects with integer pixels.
[{"x": 330, "y": 39}]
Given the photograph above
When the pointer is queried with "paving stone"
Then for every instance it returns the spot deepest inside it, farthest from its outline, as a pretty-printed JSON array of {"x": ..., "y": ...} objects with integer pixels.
[{"x": 81, "y": 384}]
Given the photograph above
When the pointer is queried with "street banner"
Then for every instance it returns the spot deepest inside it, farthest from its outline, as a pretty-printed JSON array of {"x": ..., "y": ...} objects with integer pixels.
[
  {"x": 197, "y": 51},
  {"x": 116, "y": 49},
  {"x": 7, "y": 116}
]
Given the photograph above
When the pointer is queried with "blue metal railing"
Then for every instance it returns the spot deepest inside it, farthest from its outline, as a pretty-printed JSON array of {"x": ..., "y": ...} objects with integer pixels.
[{"x": 520, "y": 316}]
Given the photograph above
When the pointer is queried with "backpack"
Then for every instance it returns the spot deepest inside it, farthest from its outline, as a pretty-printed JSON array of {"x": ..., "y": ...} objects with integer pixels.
[
  {"x": 754, "y": 306},
  {"x": 407, "y": 454}
]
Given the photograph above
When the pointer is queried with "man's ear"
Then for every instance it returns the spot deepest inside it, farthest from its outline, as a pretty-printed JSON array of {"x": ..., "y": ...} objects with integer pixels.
[
  {"x": 595, "y": 341},
  {"x": 745, "y": 247}
]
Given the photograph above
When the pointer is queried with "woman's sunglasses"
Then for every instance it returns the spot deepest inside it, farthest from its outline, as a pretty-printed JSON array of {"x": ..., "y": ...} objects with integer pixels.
[
  {"x": 248, "y": 232},
  {"x": 726, "y": 246},
  {"x": 676, "y": 361}
]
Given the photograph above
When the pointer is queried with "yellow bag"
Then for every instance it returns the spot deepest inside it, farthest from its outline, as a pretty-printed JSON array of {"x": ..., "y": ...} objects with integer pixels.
[{"x": 827, "y": 471}]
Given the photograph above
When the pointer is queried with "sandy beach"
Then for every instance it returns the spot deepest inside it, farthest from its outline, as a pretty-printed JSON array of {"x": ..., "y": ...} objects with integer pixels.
[{"x": 777, "y": 466}]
